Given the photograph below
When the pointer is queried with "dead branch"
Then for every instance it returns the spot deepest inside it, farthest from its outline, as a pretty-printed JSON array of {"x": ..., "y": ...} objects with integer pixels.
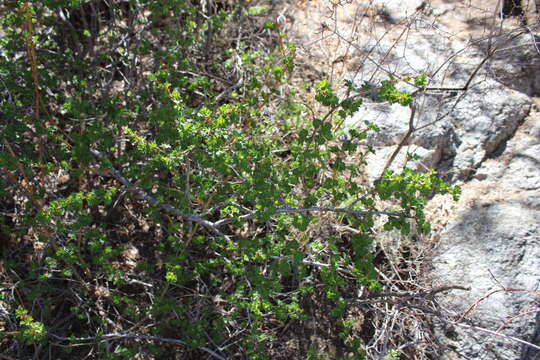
[{"x": 410, "y": 131}]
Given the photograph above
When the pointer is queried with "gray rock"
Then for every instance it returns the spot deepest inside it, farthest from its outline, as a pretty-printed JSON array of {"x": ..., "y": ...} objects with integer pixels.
[
  {"x": 495, "y": 242},
  {"x": 492, "y": 245},
  {"x": 517, "y": 168},
  {"x": 517, "y": 64},
  {"x": 465, "y": 128},
  {"x": 487, "y": 116},
  {"x": 490, "y": 140}
]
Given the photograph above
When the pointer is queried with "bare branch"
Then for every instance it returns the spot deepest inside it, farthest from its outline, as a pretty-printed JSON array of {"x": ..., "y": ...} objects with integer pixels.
[
  {"x": 143, "y": 195},
  {"x": 312, "y": 263},
  {"x": 287, "y": 210},
  {"x": 383, "y": 297},
  {"x": 213, "y": 226},
  {"x": 225, "y": 93},
  {"x": 338, "y": 210},
  {"x": 477, "y": 302},
  {"x": 410, "y": 131},
  {"x": 513, "y": 338}
]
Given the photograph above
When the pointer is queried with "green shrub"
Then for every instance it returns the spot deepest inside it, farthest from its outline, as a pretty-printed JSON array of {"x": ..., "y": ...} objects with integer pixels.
[{"x": 167, "y": 189}]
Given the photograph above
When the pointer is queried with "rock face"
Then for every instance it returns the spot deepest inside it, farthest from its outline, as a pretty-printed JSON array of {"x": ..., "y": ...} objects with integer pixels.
[
  {"x": 516, "y": 65},
  {"x": 493, "y": 244},
  {"x": 485, "y": 250},
  {"x": 487, "y": 139},
  {"x": 458, "y": 129}
]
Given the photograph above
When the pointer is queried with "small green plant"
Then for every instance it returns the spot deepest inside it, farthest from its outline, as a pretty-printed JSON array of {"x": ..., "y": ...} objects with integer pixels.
[
  {"x": 393, "y": 354},
  {"x": 31, "y": 331},
  {"x": 389, "y": 92}
]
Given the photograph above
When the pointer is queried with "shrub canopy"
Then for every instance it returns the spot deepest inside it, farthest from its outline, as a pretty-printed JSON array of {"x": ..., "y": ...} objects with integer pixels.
[{"x": 168, "y": 192}]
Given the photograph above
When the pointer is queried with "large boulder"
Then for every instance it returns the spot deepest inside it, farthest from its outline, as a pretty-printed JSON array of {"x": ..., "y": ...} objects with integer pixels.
[
  {"x": 493, "y": 246},
  {"x": 489, "y": 139},
  {"x": 463, "y": 127}
]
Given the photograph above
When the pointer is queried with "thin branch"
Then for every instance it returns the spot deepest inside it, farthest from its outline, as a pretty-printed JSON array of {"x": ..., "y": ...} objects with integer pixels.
[
  {"x": 137, "y": 337},
  {"x": 508, "y": 321},
  {"x": 312, "y": 263},
  {"x": 477, "y": 302},
  {"x": 533, "y": 39},
  {"x": 338, "y": 210},
  {"x": 467, "y": 85},
  {"x": 135, "y": 281},
  {"x": 143, "y": 195},
  {"x": 408, "y": 295},
  {"x": 287, "y": 210},
  {"x": 513, "y": 338},
  {"x": 213, "y": 226},
  {"x": 225, "y": 93},
  {"x": 410, "y": 131},
  {"x": 27, "y": 190}
]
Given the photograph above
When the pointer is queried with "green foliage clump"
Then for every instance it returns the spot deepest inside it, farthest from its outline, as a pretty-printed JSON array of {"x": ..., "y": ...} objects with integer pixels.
[
  {"x": 169, "y": 190},
  {"x": 32, "y": 332}
]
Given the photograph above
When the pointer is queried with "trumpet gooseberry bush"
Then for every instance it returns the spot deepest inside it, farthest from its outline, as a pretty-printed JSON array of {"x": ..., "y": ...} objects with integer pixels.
[{"x": 168, "y": 181}]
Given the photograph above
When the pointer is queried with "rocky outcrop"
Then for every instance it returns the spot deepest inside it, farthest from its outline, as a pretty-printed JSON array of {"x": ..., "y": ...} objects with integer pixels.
[
  {"x": 493, "y": 246},
  {"x": 516, "y": 64},
  {"x": 488, "y": 139},
  {"x": 457, "y": 130}
]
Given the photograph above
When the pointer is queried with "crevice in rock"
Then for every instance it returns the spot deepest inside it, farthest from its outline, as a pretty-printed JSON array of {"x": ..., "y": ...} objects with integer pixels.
[
  {"x": 528, "y": 353},
  {"x": 499, "y": 149},
  {"x": 512, "y": 8}
]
